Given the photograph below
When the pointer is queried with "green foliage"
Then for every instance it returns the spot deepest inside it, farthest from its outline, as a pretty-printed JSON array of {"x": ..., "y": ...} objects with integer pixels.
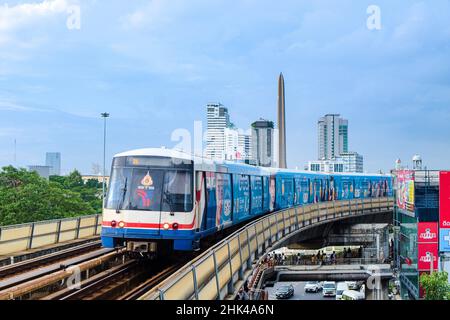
[
  {"x": 435, "y": 285},
  {"x": 27, "y": 197}
]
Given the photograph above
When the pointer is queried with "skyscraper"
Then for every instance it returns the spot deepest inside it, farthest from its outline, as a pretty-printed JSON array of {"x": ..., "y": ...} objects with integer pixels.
[
  {"x": 53, "y": 160},
  {"x": 281, "y": 124},
  {"x": 245, "y": 148},
  {"x": 332, "y": 136},
  {"x": 262, "y": 142},
  {"x": 217, "y": 120},
  {"x": 231, "y": 144}
]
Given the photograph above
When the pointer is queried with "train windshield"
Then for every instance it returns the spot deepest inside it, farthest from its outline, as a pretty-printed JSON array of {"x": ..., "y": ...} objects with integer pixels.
[{"x": 151, "y": 184}]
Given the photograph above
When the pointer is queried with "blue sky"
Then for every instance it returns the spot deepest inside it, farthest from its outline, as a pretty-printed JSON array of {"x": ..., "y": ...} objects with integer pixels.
[{"x": 154, "y": 65}]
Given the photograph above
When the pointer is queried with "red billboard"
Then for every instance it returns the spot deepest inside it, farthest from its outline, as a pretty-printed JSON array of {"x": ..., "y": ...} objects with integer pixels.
[
  {"x": 427, "y": 232},
  {"x": 444, "y": 199},
  {"x": 427, "y": 252}
]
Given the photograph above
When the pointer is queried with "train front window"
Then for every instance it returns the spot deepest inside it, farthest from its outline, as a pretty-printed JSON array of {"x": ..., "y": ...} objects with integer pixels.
[
  {"x": 150, "y": 188},
  {"x": 177, "y": 191}
]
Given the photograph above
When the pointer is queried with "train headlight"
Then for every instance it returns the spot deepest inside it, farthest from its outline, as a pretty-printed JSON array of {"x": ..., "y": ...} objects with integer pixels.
[
  {"x": 113, "y": 223},
  {"x": 166, "y": 226},
  {"x": 121, "y": 224},
  {"x": 175, "y": 226}
]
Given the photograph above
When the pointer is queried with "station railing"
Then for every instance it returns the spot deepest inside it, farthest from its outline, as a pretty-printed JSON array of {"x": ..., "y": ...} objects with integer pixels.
[
  {"x": 214, "y": 274},
  {"x": 21, "y": 237}
]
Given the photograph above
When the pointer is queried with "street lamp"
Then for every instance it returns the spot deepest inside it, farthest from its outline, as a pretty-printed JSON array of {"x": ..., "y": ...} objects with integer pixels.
[{"x": 104, "y": 116}]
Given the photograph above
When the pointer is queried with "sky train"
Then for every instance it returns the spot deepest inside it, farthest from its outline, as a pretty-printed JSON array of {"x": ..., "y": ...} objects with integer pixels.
[{"x": 162, "y": 198}]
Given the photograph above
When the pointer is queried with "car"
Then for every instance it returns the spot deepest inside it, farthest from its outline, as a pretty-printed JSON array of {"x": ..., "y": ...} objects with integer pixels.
[
  {"x": 353, "y": 295},
  {"x": 341, "y": 287},
  {"x": 329, "y": 289},
  {"x": 352, "y": 285},
  {"x": 285, "y": 292},
  {"x": 312, "y": 286}
]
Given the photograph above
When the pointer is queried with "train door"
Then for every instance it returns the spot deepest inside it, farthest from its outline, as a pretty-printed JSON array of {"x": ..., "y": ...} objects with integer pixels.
[
  {"x": 211, "y": 201},
  {"x": 219, "y": 200},
  {"x": 272, "y": 192},
  {"x": 266, "y": 194}
]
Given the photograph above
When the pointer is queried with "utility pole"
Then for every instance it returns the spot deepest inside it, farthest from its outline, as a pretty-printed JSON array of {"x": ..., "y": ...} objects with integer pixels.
[{"x": 104, "y": 116}]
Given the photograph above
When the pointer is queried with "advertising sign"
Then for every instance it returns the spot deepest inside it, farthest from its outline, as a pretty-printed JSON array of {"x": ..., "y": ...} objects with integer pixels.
[
  {"x": 405, "y": 190},
  {"x": 427, "y": 242},
  {"x": 427, "y": 252},
  {"x": 427, "y": 232},
  {"x": 444, "y": 211}
]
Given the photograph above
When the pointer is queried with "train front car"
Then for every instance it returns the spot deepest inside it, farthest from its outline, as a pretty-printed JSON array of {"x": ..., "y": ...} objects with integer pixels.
[{"x": 149, "y": 207}]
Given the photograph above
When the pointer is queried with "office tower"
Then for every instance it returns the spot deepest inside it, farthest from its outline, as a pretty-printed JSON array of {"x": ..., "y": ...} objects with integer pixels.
[
  {"x": 262, "y": 142},
  {"x": 332, "y": 136},
  {"x": 231, "y": 143},
  {"x": 281, "y": 124},
  {"x": 217, "y": 120},
  {"x": 53, "y": 160},
  {"x": 353, "y": 162},
  {"x": 245, "y": 148},
  {"x": 43, "y": 171}
]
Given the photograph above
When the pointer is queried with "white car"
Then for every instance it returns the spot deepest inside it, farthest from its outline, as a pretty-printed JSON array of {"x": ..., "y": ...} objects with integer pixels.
[
  {"x": 341, "y": 287},
  {"x": 352, "y": 285},
  {"x": 353, "y": 295},
  {"x": 312, "y": 286},
  {"x": 329, "y": 289}
]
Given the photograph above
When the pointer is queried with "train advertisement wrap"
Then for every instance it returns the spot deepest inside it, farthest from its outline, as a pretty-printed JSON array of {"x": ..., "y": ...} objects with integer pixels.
[{"x": 444, "y": 211}]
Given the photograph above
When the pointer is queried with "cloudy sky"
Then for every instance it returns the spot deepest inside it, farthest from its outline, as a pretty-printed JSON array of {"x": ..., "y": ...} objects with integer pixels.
[{"x": 154, "y": 65}]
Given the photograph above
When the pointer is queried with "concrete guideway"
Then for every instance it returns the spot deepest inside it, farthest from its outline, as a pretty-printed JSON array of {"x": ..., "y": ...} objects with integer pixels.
[
  {"x": 25, "y": 237},
  {"x": 218, "y": 272}
]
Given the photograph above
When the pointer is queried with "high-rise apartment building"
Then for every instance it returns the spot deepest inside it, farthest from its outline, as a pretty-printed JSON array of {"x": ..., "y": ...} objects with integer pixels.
[
  {"x": 218, "y": 120},
  {"x": 245, "y": 148},
  {"x": 332, "y": 136},
  {"x": 262, "y": 143},
  {"x": 353, "y": 162},
  {"x": 231, "y": 144},
  {"x": 53, "y": 160}
]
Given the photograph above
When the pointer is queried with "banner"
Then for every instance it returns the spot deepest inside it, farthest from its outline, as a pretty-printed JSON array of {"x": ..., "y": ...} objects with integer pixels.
[
  {"x": 405, "y": 190},
  {"x": 427, "y": 252},
  {"x": 427, "y": 232},
  {"x": 444, "y": 211}
]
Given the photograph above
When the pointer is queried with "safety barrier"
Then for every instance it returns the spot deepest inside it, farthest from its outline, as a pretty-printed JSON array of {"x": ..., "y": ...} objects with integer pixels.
[
  {"x": 16, "y": 238},
  {"x": 214, "y": 274}
]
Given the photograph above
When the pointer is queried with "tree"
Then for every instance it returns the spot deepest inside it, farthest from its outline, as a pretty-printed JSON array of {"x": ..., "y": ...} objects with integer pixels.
[
  {"x": 435, "y": 285},
  {"x": 90, "y": 192},
  {"x": 27, "y": 197}
]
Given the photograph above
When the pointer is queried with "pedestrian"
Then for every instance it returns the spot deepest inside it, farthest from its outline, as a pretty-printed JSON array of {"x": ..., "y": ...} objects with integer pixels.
[
  {"x": 240, "y": 295},
  {"x": 360, "y": 252}
]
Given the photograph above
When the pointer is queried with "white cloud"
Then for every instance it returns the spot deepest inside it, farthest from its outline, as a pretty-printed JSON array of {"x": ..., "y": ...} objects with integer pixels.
[
  {"x": 155, "y": 13},
  {"x": 8, "y": 105},
  {"x": 23, "y": 14}
]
